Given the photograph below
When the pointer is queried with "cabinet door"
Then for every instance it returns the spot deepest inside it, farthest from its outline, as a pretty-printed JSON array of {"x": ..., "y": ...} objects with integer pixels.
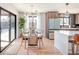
[
  {"x": 54, "y": 23},
  {"x": 77, "y": 19},
  {"x": 51, "y": 24},
  {"x": 57, "y": 23}
]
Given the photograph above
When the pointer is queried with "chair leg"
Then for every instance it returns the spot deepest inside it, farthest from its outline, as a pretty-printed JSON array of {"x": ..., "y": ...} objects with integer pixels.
[
  {"x": 28, "y": 51},
  {"x": 38, "y": 43},
  {"x": 25, "y": 44},
  {"x": 72, "y": 48},
  {"x": 42, "y": 42},
  {"x": 21, "y": 42},
  {"x": 76, "y": 49}
]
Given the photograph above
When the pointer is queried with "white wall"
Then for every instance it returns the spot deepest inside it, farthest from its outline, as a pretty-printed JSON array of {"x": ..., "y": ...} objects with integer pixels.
[{"x": 10, "y": 8}]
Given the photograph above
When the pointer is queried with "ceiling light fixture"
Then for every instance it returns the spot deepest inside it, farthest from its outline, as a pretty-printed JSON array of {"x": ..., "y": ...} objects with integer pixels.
[
  {"x": 66, "y": 14},
  {"x": 33, "y": 11}
]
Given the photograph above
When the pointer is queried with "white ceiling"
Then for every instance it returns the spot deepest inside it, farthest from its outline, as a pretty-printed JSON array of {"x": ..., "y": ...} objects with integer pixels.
[{"x": 44, "y": 7}]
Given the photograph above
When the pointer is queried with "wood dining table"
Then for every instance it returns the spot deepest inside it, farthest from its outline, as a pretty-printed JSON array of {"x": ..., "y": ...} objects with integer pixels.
[{"x": 33, "y": 39}]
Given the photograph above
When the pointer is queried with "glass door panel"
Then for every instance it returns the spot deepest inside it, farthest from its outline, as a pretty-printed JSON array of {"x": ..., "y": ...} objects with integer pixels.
[
  {"x": 12, "y": 27},
  {"x": 4, "y": 29},
  {"x": 32, "y": 23}
]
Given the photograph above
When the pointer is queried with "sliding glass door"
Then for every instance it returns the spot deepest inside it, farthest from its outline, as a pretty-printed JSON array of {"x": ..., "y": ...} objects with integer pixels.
[
  {"x": 4, "y": 29},
  {"x": 7, "y": 28},
  {"x": 12, "y": 27}
]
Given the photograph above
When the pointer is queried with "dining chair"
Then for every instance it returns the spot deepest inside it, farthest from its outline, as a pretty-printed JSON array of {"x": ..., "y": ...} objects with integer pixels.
[
  {"x": 75, "y": 41},
  {"x": 40, "y": 36},
  {"x": 32, "y": 41},
  {"x": 26, "y": 35}
]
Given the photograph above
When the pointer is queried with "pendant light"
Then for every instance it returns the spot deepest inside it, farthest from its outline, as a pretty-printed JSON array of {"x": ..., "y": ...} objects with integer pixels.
[{"x": 66, "y": 14}]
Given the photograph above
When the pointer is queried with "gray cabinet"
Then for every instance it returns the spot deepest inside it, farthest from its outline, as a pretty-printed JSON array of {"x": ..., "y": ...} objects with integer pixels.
[
  {"x": 54, "y": 23},
  {"x": 77, "y": 19}
]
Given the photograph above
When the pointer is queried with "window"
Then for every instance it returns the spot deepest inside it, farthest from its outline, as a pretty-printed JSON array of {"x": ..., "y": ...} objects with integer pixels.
[
  {"x": 33, "y": 21},
  {"x": 64, "y": 21},
  {"x": 12, "y": 27},
  {"x": 7, "y": 28},
  {"x": 4, "y": 29}
]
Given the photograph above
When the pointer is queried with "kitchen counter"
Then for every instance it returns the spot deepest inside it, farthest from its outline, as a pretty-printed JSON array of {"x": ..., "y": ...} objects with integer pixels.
[
  {"x": 61, "y": 40},
  {"x": 69, "y": 29}
]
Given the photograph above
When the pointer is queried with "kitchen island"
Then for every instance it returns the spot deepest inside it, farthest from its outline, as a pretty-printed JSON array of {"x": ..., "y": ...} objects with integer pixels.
[{"x": 61, "y": 38}]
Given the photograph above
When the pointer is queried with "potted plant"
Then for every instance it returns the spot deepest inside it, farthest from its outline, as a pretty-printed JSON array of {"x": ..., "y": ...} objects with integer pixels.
[{"x": 21, "y": 25}]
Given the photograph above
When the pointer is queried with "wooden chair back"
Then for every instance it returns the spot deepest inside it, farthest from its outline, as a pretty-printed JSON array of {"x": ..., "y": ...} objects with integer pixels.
[
  {"x": 76, "y": 37},
  {"x": 33, "y": 41}
]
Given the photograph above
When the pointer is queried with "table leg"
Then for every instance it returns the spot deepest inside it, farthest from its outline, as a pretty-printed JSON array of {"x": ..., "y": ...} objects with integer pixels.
[{"x": 77, "y": 48}]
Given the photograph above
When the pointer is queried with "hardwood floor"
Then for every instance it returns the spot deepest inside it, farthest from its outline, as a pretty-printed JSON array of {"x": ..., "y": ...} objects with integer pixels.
[{"x": 18, "y": 48}]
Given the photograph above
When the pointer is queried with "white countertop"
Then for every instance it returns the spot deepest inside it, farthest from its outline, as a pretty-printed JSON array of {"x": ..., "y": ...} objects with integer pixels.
[
  {"x": 70, "y": 33},
  {"x": 69, "y": 28}
]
